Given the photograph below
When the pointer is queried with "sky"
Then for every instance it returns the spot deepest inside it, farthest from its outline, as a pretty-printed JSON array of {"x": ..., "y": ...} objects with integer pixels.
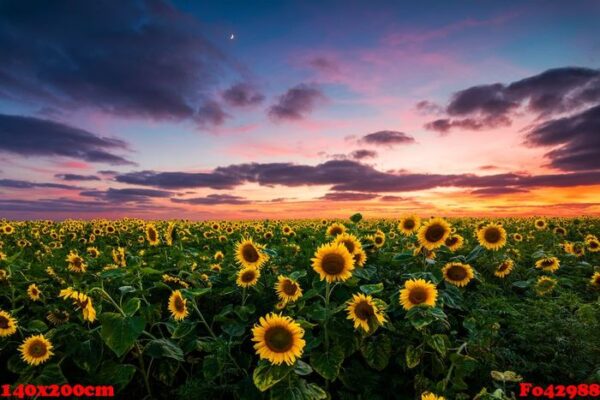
[{"x": 298, "y": 109}]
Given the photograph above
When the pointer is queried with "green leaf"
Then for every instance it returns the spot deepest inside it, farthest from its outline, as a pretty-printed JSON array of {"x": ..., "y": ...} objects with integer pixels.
[
  {"x": 131, "y": 306},
  {"x": 163, "y": 348},
  {"x": 302, "y": 368},
  {"x": 117, "y": 375},
  {"x": 126, "y": 289},
  {"x": 183, "y": 328},
  {"x": 476, "y": 252},
  {"x": 88, "y": 355},
  {"x": 37, "y": 326},
  {"x": 119, "y": 333},
  {"x": 372, "y": 289},
  {"x": 522, "y": 284},
  {"x": 356, "y": 218},
  {"x": 377, "y": 352},
  {"x": 438, "y": 343},
  {"x": 328, "y": 364},
  {"x": 403, "y": 256},
  {"x": 298, "y": 274},
  {"x": 413, "y": 356},
  {"x": 266, "y": 375},
  {"x": 196, "y": 292},
  {"x": 50, "y": 375},
  {"x": 234, "y": 328}
]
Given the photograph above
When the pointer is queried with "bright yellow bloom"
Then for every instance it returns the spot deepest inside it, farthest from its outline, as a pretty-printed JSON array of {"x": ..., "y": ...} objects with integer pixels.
[
  {"x": 279, "y": 339},
  {"x": 333, "y": 262},
  {"x": 36, "y": 350},
  {"x": 364, "y": 312},
  {"x": 418, "y": 292}
]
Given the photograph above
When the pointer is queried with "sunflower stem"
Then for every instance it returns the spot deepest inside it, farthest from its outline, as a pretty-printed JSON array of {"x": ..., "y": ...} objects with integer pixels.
[
  {"x": 325, "y": 323},
  {"x": 144, "y": 372}
]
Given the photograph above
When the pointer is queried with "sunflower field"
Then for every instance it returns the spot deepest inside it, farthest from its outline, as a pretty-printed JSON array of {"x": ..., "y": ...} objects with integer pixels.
[{"x": 408, "y": 308}]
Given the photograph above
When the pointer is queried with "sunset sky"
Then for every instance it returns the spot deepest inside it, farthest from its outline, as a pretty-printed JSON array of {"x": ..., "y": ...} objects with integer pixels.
[{"x": 296, "y": 109}]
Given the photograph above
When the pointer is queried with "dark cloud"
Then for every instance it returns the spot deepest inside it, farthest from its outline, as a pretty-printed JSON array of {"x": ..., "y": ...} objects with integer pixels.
[
  {"x": 296, "y": 103},
  {"x": 392, "y": 198},
  {"x": 324, "y": 64},
  {"x": 75, "y": 177},
  {"x": 141, "y": 58},
  {"x": 51, "y": 207},
  {"x": 126, "y": 195},
  {"x": 444, "y": 125},
  {"x": 347, "y": 176},
  {"x": 428, "y": 107},
  {"x": 494, "y": 191},
  {"x": 30, "y": 136},
  {"x": 349, "y": 196},
  {"x": 211, "y": 113},
  {"x": 387, "y": 138},
  {"x": 553, "y": 91},
  {"x": 578, "y": 137},
  {"x": 178, "y": 180},
  {"x": 213, "y": 199},
  {"x": 362, "y": 154},
  {"x": 18, "y": 184},
  {"x": 242, "y": 95}
]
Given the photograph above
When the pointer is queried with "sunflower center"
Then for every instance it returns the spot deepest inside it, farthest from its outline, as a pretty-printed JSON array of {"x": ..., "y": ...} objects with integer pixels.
[
  {"x": 152, "y": 235},
  {"x": 34, "y": 291},
  {"x": 289, "y": 287},
  {"x": 349, "y": 245},
  {"x": 540, "y": 223},
  {"x": 417, "y": 295},
  {"x": 503, "y": 267},
  {"x": 547, "y": 263},
  {"x": 179, "y": 304},
  {"x": 451, "y": 241},
  {"x": 248, "y": 276},
  {"x": 456, "y": 273},
  {"x": 279, "y": 339},
  {"x": 492, "y": 235},
  {"x": 335, "y": 231},
  {"x": 249, "y": 253},
  {"x": 434, "y": 233},
  {"x": 378, "y": 239},
  {"x": 38, "y": 349},
  {"x": 409, "y": 224},
  {"x": 333, "y": 264},
  {"x": 594, "y": 245},
  {"x": 364, "y": 310},
  {"x": 77, "y": 262},
  {"x": 3, "y": 322},
  {"x": 598, "y": 280}
]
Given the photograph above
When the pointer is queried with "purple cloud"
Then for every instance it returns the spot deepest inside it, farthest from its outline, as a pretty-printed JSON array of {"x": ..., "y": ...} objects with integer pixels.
[
  {"x": 296, "y": 103},
  {"x": 29, "y": 136},
  {"x": 387, "y": 138},
  {"x": 75, "y": 177},
  {"x": 242, "y": 95},
  {"x": 213, "y": 199}
]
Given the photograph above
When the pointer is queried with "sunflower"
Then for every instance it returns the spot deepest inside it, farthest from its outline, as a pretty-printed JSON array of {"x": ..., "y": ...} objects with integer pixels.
[
  {"x": 492, "y": 236},
  {"x": 218, "y": 256},
  {"x": 3, "y": 275},
  {"x": 433, "y": 233},
  {"x": 287, "y": 230},
  {"x": 540, "y": 224},
  {"x": 559, "y": 230},
  {"x": 549, "y": 264},
  {"x": 247, "y": 277},
  {"x": 333, "y": 262},
  {"x": 593, "y": 245},
  {"x": 268, "y": 235},
  {"x": 278, "y": 339},
  {"x": 545, "y": 285},
  {"x": 93, "y": 252},
  {"x": 8, "y": 229},
  {"x": 76, "y": 263},
  {"x": 360, "y": 258},
  {"x": 170, "y": 234},
  {"x": 336, "y": 229},
  {"x": 118, "y": 256},
  {"x": 364, "y": 312},
  {"x": 454, "y": 242},
  {"x": 249, "y": 254},
  {"x": 152, "y": 235},
  {"x": 431, "y": 396},
  {"x": 504, "y": 268},
  {"x": 177, "y": 306},
  {"x": 594, "y": 281},
  {"x": 409, "y": 225},
  {"x": 418, "y": 292},
  {"x": 57, "y": 317},
  {"x": 349, "y": 240},
  {"x": 33, "y": 292},
  {"x": 457, "y": 273},
  {"x": 36, "y": 350},
  {"x": 8, "y": 325},
  {"x": 379, "y": 239},
  {"x": 2, "y": 256},
  {"x": 288, "y": 290},
  {"x": 215, "y": 267},
  {"x": 517, "y": 237}
]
